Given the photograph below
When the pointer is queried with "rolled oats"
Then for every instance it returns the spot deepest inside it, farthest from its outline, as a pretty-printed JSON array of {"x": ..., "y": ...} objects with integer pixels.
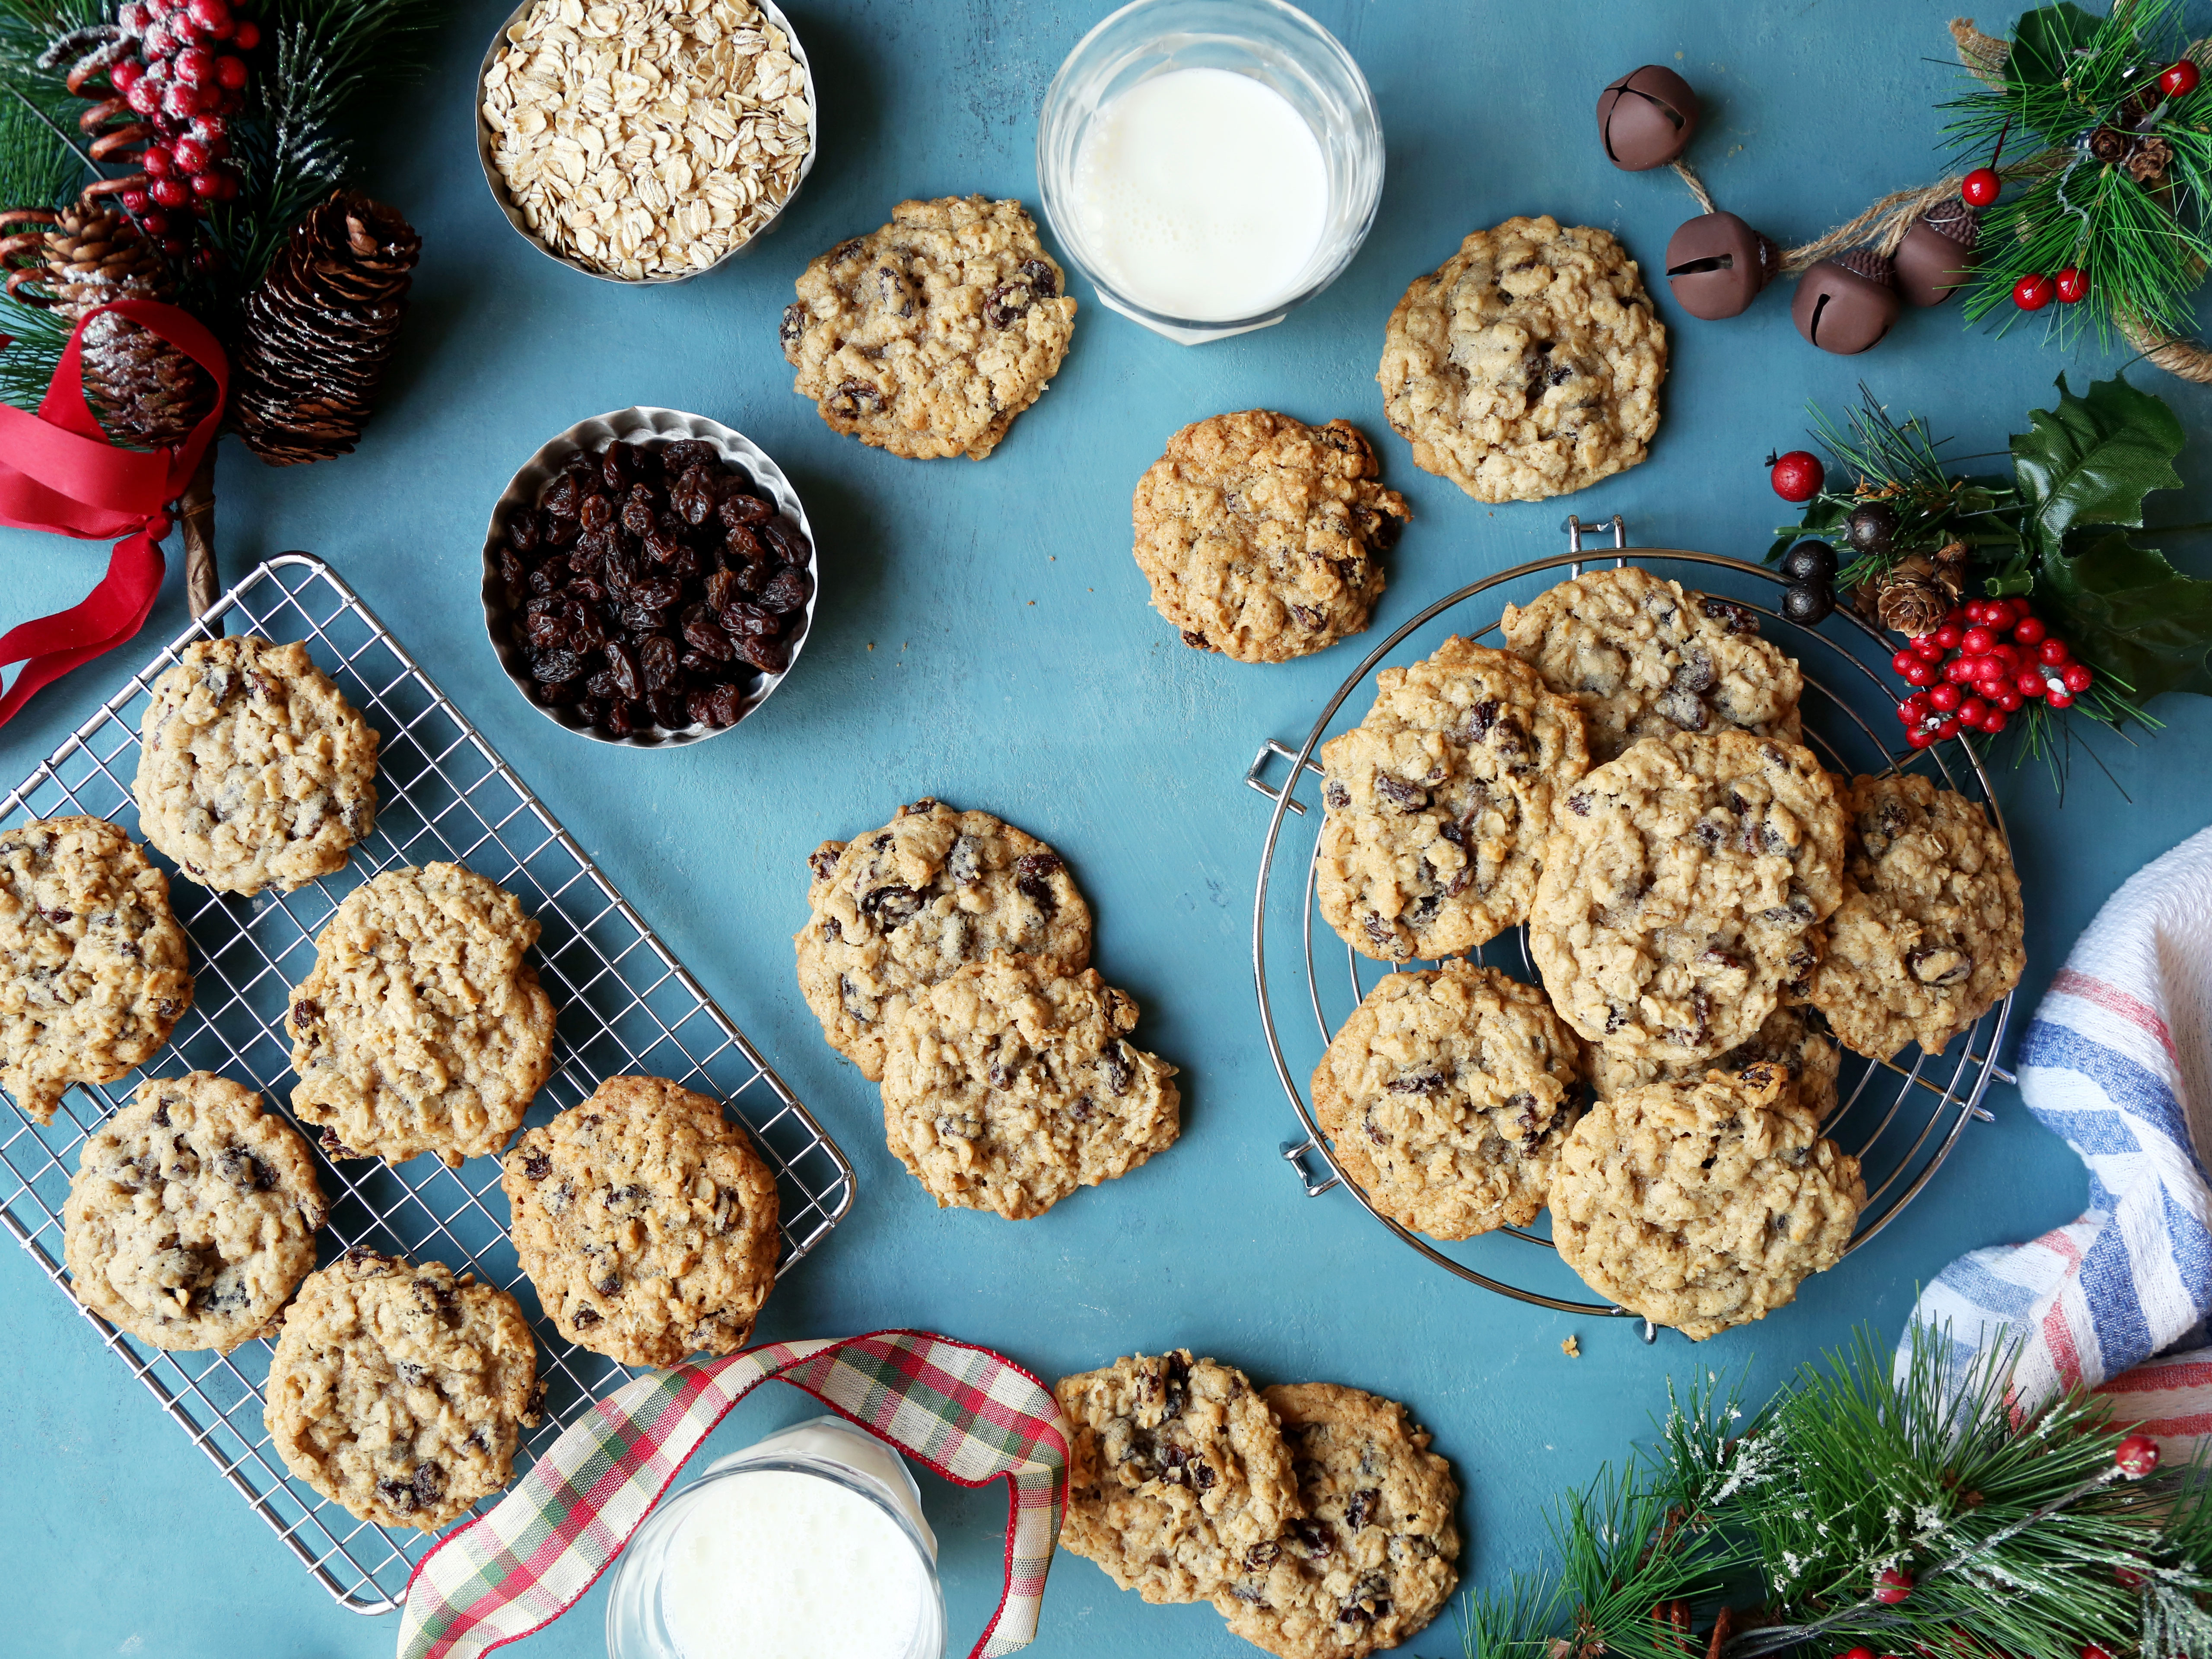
[{"x": 648, "y": 137}]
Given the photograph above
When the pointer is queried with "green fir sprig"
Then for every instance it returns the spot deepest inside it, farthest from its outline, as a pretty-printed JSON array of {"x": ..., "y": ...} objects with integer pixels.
[
  {"x": 2018, "y": 1533},
  {"x": 2072, "y": 81},
  {"x": 291, "y": 147}
]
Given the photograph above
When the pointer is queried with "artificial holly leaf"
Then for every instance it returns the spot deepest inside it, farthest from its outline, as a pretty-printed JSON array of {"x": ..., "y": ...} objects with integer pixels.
[
  {"x": 2042, "y": 41},
  {"x": 2092, "y": 460},
  {"x": 2124, "y": 608}
]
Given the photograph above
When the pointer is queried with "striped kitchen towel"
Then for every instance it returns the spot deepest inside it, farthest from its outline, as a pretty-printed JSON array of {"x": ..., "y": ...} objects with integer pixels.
[
  {"x": 963, "y": 1412},
  {"x": 2118, "y": 1062}
]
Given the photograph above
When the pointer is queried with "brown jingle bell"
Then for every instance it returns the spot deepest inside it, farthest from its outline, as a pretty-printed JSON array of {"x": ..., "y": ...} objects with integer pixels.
[
  {"x": 1646, "y": 118},
  {"x": 1717, "y": 265},
  {"x": 1846, "y": 304},
  {"x": 1936, "y": 257}
]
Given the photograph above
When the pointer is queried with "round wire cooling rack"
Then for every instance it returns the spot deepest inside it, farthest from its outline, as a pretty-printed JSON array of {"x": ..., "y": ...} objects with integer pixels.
[{"x": 1901, "y": 1120}]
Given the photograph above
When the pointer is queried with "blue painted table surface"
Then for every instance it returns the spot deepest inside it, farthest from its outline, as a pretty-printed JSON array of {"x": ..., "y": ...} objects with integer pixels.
[{"x": 983, "y": 636}]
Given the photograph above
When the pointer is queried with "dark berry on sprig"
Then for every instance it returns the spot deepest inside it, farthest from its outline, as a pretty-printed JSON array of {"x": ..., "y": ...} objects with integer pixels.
[
  {"x": 1807, "y": 603},
  {"x": 1796, "y": 477},
  {"x": 1871, "y": 528},
  {"x": 1812, "y": 563}
]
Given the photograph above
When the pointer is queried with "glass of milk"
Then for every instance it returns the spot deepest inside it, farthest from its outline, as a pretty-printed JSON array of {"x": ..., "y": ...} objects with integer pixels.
[
  {"x": 810, "y": 1543},
  {"x": 1209, "y": 164}
]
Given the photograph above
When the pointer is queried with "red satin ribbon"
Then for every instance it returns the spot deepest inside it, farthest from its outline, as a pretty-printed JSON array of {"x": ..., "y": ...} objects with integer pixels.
[{"x": 59, "y": 472}]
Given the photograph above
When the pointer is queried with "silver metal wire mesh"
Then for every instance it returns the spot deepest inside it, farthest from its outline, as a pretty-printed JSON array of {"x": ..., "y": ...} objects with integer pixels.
[
  {"x": 625, "y": 1005},
  {"x": 1900, "y": 1118}
]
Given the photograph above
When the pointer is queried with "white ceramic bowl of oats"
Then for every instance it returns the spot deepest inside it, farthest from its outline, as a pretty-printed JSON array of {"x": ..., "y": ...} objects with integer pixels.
[{"x": 645, "y": 141}]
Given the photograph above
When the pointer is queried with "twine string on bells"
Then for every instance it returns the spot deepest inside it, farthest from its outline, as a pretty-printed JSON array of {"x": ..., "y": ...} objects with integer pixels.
[
  {"x": 60, "y": 473},
  {"x": 1883, "y": 226}
]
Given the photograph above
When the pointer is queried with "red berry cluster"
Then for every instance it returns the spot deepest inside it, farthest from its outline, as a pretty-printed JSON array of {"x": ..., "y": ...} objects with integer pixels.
[
  {"x": 1974, "y": 678},
  {"x": 186, "y": 82}
]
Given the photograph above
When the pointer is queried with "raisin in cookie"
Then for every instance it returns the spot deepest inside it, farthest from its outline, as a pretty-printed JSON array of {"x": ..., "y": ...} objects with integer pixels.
[
  {"x": 1447, "y": 1094},
  {"x": 254, "y": 771},
  {"x": 1375, "y": 1558},
  {"x": 1703, "y": 1206},
  {"x": 1009, "y": 1085},
  {"x": 1436, "y": 805},
  {"x": 1683, "y": 887},
  {"x": 420, "y": 1027},
  {"x": 1642, "y": 659},
  {"x": 193, "y": 1215},
  {"x": 1261, "y": 535},
  {"x": 897, "y": 910},
  {"x": 1793, "y": 1042},
  {"x": 92, "y": 962},
  {"x": 401, "y": 1390},
  {"x": 928, "y": 337},
  {"x": 647, "y": 1222},
  {"x": 1929, "y": 935},
  {"x": 1175, "y": 1471},
  {"x": 1529, "y": 365}
]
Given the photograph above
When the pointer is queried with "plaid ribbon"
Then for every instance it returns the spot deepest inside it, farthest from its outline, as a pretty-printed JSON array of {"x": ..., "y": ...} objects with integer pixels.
[{"x": 963, "y": 1412}]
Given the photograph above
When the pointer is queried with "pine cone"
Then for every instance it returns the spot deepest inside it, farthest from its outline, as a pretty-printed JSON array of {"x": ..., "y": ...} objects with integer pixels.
[
  {"x": 320, "y": 329},
  {"x": 1910, "y": 603},
  {"x": 143, "y": 389},
  {"x": 2147, "y": 162}
]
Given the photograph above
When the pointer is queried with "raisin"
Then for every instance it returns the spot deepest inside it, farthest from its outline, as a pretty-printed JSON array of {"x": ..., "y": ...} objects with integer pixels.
[
  {"x": 535, "y": 1165},
  {"x": 584, "y": 1318},
  {"x": 693, "y": 496},
  {"x": 890, "y": 904},
  {"x": 242, "y": 1170},
  {"x": 769, "y": 656},
  {"x": 429, "y": 1483},
  {"x": 399, "y": 1496},
  {"x": 1043, "y": 279},
  {"x": 743, "y": 509},
  {"x": 853, "y": 396},
  {"x": 1262, "y": 1554},
  {"x": 624, "y": 681},
  {"x": 1174, "y": 1388},
  {"x": 638, "y": 515},
  {"x": 1007, "y": 304},
  {"x": 1361, "y": 1509},
  {"x": 790, "y": 329},
  {"x": 681, "y": 456},
  {"x": 751, "y": 622},
  {"x": 656, "y": 661},
  {"x": 705, "y": 635},
  {"x": 596, "y": 513},
  {"x": 784, "y": 541},
  {"x": 522, "y": 533},
  {"x": 725, "y": 704},
  {"x": 787, "y": 590},
  {"x": 1410, "y": 797},
  {"x": 721, "y": 589},
  {"x": 556, "y": 666},
  {"x": 563, "y": 496}
]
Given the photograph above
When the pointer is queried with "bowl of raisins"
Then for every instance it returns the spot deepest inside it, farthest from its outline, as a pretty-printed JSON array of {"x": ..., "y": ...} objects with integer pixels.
[{"x": 649, "y": 578}]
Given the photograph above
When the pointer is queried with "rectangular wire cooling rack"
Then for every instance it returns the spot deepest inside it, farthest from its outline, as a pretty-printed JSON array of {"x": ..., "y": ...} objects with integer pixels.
[{"x": 625, "y": 1005}]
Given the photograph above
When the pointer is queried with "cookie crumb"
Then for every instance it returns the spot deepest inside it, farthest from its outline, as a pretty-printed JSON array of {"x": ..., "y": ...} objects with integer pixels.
[{"x": 1572, "y": 1347}]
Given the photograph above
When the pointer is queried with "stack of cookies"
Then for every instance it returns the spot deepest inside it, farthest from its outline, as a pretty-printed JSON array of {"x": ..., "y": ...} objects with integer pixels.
[
  {"x": 647, "y": 1222},
  {"x": 947, "y": 955},
  {"x": 1706, "y": 906},
  {"x": 1313, "y": 1516}
]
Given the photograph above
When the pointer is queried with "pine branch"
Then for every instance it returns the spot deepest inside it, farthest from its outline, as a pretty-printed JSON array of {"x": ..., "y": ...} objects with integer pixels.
[
  {"x": 2020, "y": 1537},
  {"x": 35, "y": 338},
  {"x": 289, "y": 149}
]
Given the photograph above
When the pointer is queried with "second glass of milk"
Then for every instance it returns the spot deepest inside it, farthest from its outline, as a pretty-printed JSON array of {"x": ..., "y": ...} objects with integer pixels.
[{"x": 1209, "y": 164}]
